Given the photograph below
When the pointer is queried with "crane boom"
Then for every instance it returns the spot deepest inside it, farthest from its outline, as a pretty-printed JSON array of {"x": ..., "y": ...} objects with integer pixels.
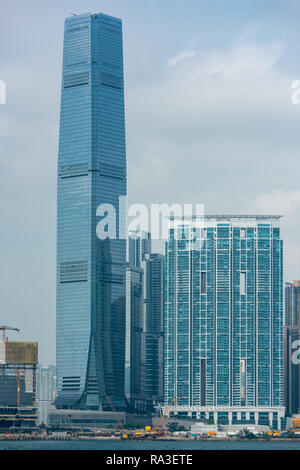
[
  {"x": 114, "y": 411},
  {"x": 167, "y": 417},
  {"x": 4, "y": 328},
  {"x": 166, "y": 414},
  {"x": 163, "y": 414}
]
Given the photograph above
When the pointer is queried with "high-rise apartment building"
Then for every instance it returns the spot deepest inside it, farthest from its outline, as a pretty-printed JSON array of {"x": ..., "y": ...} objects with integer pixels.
[
  {"x": 46, "y": 387},
  {"x": 91, "y": 173},
  {"x": 223, "y": 346},
  {"x": 292, "y": 303},
  {"x": 291, "y": 348}
]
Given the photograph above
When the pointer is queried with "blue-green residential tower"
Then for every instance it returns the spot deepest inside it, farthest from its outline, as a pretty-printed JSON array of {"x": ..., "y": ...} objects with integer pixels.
[
  {"x": 91, "y": 171},
  {"x": 223, "y": 335}
]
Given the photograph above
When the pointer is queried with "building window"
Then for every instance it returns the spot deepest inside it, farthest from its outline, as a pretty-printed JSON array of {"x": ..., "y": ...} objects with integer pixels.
[
  {"x": 203, "y": 282},
  {"x": 243, "y": 283}
]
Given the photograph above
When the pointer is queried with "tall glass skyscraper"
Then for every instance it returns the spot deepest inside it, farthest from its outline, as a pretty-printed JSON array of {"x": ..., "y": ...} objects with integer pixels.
[
  {"x": 91, "y": 171},
  {"x": 223, "y": 344}
]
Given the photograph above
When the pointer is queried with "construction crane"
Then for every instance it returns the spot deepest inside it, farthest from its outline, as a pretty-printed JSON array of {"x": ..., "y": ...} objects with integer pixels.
[
  {"x": 4, "y": 328},
  {"x": 169, "y": 414},
  {"x": 125, "y": 435},
  {"x": 166, "y": 415},
  {"x": 17, "y": 372}
]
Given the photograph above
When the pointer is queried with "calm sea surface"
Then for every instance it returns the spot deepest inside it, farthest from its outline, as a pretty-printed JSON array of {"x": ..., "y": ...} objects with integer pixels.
[{"x": 173, "y": 445}]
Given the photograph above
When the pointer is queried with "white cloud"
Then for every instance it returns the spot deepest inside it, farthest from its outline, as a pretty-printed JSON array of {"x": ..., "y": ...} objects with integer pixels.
[
  {"x": 242, "y": 61},
  {"x": 278, "y": 202},
  {"x": 286, "y": 203},
  {"x": 179, "y": 57}
]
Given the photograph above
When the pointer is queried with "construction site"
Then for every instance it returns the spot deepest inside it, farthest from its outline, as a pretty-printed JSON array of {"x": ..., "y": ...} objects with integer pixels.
[
  {"x": 124, "y": 425},
  {"x": 159, "y": 429},
  {"x": 18, "y": 409},
  {"x": 18, "y": 363}
]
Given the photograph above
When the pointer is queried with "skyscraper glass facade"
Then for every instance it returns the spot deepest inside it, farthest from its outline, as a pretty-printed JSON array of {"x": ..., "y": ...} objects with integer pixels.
[
  {"x": 154, "y": 304},
  {"x": 91, "y": 171},
  {"x": 134, "y": 344},
  {"x": 139, "y": 244},
  {"x": 145, "y": 287},
  {"x": 223, "y": 346}
]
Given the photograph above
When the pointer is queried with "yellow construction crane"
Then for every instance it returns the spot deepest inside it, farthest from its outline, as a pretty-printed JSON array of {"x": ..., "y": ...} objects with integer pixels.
[
  {"x": 169, "y": 415},
  {"x": 166, "y": 413}
]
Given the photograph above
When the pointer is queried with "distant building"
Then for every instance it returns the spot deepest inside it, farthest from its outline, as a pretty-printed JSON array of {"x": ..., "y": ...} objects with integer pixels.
[
  {"x": 46, "y": 386},
  {"x": 93, "y": 420},
  {"x": 18, "y": 362},
  {"x": 291, "y": 345},
  {"x": 154, "y": 305},
  {"x": 223, "y": 336},
  {"x": 139, "y": 245},
  {"x": 292, "y": 303},
  {"x": 88, "y": 419},
  {"x": 144, "y": 323},
  {"x": 134, "y": 343}
]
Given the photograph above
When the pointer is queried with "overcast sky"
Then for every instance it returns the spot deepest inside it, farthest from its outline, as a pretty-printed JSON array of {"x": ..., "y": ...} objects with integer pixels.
[{"x": 209, "y": 119}]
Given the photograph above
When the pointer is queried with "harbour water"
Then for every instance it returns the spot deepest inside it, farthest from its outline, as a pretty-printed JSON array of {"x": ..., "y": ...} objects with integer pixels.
[{"x": 150, "y": 445}]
